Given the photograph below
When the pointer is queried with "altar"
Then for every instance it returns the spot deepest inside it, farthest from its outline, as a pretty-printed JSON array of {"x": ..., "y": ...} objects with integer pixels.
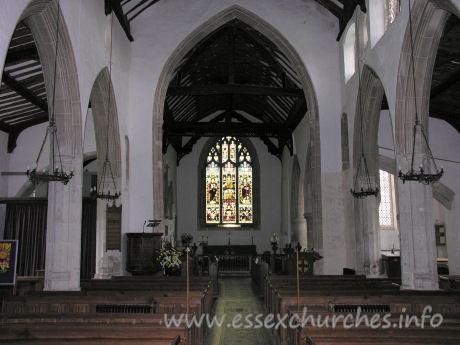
[
  {"x": 231, "y": 259},
  {"x": 247, "y": 250}
]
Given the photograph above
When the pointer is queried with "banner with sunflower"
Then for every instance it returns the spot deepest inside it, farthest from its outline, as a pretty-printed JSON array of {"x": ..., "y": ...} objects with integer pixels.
[{"x": 8, "y": 258}]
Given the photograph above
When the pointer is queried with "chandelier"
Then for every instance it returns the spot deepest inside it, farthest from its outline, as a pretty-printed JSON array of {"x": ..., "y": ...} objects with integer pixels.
[
  {"x": 368, "y": 190},
  {"x": 56, "y": 172},
  {"x": 421, "y": 175},
  {"x": 107, "y": 179}
]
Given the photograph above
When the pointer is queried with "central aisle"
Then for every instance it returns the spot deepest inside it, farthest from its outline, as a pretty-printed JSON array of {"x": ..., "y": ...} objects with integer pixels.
[{"x": 237, "y": 297}]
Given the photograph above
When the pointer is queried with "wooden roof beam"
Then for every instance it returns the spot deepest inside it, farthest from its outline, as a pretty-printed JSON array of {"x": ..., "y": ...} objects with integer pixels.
[
  {"x": 331, "y": 7},
  {"x": 297, "y": 113},
  {"x": 209, "y": 129},
  {"x": 233, "y": 89},
  {"x": 343, "y": 14},
  {"x": 153, "y": 2},
  {"x": 115, "y": 6},
  {"x": 23, "y": 91},
  {"x": 4, "y": 127},
  {"x": 272, "y": 148},
  {"x": 21, "y": 55},
  {"x": 445, "y": 84}
]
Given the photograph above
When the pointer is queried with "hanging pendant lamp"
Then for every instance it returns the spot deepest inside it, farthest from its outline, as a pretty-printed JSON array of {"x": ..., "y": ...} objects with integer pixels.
[
  {"x": 368, "y": 190},
  {"x": 56, "y": 172},
  {"x": 422, "y": 174},
  {"x": 107, "y": 180}
]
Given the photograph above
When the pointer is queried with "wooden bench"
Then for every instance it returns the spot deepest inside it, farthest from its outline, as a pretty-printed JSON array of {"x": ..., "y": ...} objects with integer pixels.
[
  {"x": 330, "y": 294},
  {"x": 447, "y": 333},
  {"x": 93, "y": 329},
  {"x": 138, "y": 300},
  {"x": 324, "y": 284}
]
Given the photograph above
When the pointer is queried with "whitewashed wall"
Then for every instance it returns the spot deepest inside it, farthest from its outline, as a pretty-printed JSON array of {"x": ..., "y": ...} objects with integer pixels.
[{"x": 307, "y": 26}]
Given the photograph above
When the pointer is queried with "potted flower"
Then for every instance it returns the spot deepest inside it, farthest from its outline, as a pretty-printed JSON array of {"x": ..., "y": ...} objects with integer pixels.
[{"x": 170, "y": 260}]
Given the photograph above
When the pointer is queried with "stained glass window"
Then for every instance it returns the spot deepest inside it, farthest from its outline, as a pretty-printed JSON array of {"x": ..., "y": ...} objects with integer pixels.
[
  {"x": 392, "y": 10},
  {"x": 387, "y": 201},
  {"x": 229, "y": 183}
]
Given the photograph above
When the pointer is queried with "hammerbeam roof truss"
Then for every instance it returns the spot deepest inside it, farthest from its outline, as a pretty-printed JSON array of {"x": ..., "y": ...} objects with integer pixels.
[
  {"x": 23, "y": 100},
  {"x": 234, "y": 82}
]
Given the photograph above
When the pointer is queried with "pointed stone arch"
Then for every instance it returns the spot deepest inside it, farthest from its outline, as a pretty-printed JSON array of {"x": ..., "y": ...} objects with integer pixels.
[
  {"x": 365, "y": 136},
  {"x": 64, "y": 201},
  {"x": 249, "y": 18},
  {"x": 418, "y": 261},
  {"x": 106, "y": 122},
  {"x": 105, "y": 117}
]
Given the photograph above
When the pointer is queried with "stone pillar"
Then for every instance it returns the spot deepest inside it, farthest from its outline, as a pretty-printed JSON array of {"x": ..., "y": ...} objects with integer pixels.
[
  {"x": 367, "y": 236},
  {"x": 299, "y": 224},
  {"x": 108, "y": 262},
  {"x": 102, "y": 263},
  {"x": 418, "y": 243},
  {"x": 63, "y": 235}
]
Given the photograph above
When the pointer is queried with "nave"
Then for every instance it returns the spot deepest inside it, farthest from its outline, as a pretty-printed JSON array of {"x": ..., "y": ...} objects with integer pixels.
[
  {"x": 236, "y": 296},
  {"x": 131, "y": 311}
]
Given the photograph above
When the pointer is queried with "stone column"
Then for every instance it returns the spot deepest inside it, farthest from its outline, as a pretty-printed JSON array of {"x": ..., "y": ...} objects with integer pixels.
[
  {"x": 367, "y": 236},
  {"x": 63, "y": 235},
  {"x": 418, "y": 243},
  {"x": 101, "y": 215}
]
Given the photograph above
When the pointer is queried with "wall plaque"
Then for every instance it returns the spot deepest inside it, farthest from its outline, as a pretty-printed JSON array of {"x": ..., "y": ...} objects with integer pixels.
[{"x": 113, "y": 228}]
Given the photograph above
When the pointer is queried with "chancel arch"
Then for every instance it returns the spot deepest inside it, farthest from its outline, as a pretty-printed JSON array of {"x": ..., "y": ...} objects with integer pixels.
[{"x": 257, "y": 29}]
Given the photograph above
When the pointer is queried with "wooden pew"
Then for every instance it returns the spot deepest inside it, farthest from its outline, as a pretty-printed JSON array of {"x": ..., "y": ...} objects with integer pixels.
[
  {"x": 324, "y": 284},
  {"x": 112, "y": 299},
  {"x": 93, "y": 329},
  {"x": 326, "y": 294},
  {"x": 447, "y": 333},
  {"x": 449, "y": 282}
]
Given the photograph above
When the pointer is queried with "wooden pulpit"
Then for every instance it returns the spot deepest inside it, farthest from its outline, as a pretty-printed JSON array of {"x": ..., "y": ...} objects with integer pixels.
[{"x": 142, "y": 253}]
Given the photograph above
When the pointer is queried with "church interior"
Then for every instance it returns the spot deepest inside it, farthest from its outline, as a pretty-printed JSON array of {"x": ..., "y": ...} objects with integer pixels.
[{"x": 229, "y": 158}]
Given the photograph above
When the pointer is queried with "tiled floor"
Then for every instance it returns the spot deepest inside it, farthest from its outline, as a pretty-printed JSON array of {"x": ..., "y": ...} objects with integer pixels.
[{"x": 236, "y": 297}]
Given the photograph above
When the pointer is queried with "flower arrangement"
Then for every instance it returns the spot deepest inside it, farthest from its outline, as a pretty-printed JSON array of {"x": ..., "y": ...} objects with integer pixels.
[
  {"x": 169, "y": 258},
  {"x": 5, "y": 249}
]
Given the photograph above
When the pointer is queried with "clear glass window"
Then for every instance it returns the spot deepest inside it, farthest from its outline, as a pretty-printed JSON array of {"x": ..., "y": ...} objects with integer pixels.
[{"x": 387, "y": 209}]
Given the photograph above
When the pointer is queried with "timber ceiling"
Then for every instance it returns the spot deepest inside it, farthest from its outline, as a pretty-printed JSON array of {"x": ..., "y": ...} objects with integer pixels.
[
  {"x": 445, "y": 85},
  {"x": 234, "y": 82},
  {"x": 22, "y": 92}
]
